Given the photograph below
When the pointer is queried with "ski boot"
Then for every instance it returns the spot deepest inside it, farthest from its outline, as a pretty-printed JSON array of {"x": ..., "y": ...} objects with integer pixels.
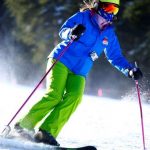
[
  {"x": 18, "y": 128},
  {"x": 43, "y": 136},
  {"x": 24, "y": 133}
]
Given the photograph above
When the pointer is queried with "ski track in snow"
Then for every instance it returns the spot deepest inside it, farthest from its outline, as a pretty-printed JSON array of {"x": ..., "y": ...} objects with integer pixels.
[{"x": 102, "y": 122}]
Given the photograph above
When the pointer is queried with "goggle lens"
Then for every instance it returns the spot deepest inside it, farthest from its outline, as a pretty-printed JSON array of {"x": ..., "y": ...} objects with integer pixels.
[{"x": 110, "y": 8}]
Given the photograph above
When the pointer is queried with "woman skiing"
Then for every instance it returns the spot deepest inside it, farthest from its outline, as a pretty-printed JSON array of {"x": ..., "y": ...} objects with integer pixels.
[{"x": 93, "y": 33}]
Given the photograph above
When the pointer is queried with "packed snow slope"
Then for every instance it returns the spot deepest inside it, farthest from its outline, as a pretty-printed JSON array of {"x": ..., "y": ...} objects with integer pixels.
[{"x": 106, "y": 123}]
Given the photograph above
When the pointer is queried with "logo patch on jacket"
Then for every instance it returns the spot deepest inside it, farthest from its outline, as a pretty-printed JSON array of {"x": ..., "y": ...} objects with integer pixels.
[{"x": 105, "y": 41}]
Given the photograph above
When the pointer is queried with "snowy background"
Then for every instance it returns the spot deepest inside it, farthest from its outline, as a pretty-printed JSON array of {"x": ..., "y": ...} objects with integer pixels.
[{"x": 105, "y": 123}]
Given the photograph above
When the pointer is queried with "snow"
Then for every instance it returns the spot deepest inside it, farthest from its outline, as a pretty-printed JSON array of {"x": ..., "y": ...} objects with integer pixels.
[
  {"x": 13, "y": 144},
  {"x": 103, "y": 122}
]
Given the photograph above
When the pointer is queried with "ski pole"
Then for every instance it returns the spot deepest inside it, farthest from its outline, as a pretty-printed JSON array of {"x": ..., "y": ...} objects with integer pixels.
[
  {"x": 141, "y": 111},
  {"x": 56, "y": 60}
]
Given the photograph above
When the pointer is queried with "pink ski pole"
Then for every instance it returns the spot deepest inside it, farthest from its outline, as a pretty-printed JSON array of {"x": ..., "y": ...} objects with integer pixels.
[
  {"x": 58, "y": 58},
  {"x": 141, "y": 113}
]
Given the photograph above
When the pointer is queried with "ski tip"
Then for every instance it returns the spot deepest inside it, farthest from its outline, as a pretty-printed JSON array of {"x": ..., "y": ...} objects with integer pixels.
[
  {"x": 76, "y": 148},
  {"x": 90, "y": 148},
  {"x": 84, "y": 148}
]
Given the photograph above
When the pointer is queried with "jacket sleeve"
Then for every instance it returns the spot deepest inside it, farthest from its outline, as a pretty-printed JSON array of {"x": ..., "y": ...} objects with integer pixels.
[
  {"x": 115, "y": 57},
  {"x": 69, "y": 24}
]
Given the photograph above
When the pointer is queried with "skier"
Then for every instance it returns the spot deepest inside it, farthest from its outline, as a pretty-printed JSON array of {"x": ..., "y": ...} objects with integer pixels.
[{"x": 93, "y": 32}]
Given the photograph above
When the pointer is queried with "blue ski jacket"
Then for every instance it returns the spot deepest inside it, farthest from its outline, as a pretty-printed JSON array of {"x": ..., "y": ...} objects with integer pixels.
[{"x": 81, "y": 54}]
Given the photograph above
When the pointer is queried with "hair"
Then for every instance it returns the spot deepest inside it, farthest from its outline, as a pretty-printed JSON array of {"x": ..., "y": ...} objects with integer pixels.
[{"x": 88, "y": 5}]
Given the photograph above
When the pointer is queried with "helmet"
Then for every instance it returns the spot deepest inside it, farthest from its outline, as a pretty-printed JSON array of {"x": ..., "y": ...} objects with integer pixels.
[{"x": 111, "y": 1}]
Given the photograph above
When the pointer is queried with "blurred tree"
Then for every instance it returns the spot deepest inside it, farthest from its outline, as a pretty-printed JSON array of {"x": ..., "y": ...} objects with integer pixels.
[
  {"x": 35, "y": 27},
  {"x": 37, "y": 23},
  {"x": 136, "y": 21}
]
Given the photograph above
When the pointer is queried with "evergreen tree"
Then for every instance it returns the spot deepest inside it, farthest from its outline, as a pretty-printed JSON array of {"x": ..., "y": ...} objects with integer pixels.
[
  {"x": 35, "y": 25},
  {"x": 38, "y": 22},
  {"x": 136, "y": 19}
]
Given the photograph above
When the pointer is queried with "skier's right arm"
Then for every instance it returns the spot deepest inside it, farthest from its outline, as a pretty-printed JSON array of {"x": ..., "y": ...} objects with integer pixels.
[{"x": 66, "y": 29}]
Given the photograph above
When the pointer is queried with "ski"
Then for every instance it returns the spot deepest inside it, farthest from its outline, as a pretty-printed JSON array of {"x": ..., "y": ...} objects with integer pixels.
[
  {"x": 77, "y": 148},
  {"x": 18, "y": 143}
]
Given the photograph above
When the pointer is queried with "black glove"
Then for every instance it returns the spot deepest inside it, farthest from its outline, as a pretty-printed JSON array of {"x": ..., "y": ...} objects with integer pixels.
[
  {"x": 135, "y": 73},
  {"x": 77, "y": 31}
]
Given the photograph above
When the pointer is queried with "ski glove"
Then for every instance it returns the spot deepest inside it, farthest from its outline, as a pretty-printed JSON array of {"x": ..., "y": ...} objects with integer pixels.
[
  {"x": 77, "y": 31},
  {"x": 135, "y": 73}
]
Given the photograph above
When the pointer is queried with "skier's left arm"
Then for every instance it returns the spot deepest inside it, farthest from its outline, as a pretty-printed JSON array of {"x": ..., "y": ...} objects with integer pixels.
[{"x": 116, "y": 58}]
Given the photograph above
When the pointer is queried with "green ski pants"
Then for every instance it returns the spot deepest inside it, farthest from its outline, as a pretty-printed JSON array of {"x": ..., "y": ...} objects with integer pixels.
[{"x": 64, "y": 93}]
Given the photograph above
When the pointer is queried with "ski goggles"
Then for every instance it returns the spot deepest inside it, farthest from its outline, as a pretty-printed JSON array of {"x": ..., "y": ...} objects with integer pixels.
[
  {"x": 110, "y": 17},
  {"x": 110, "y": 8}
]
